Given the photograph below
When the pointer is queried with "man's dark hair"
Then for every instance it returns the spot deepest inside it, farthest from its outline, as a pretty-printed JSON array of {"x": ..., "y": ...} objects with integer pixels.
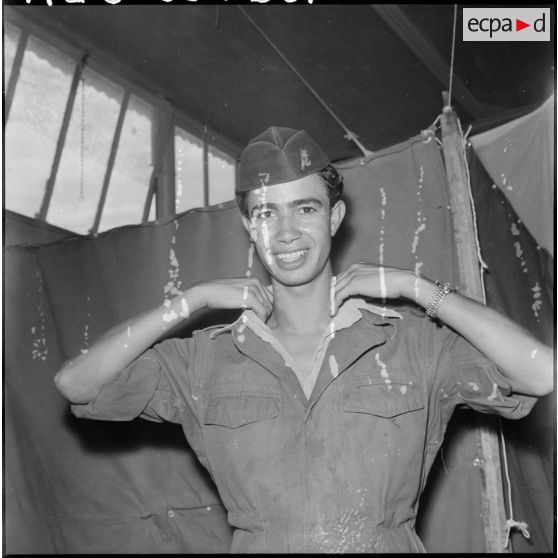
[{"x": 333, "y": 182}]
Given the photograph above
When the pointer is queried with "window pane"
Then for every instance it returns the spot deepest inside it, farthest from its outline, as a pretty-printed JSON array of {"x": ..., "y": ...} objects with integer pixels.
[
  {"x": 222, "y": 172},
  {"x": 132, "y": 170},
  {"x": 84, "y": 161},
  {"x": 188, "y": 168},
  {"x": 11, "y": 36},
  {"x": 34, "y": 124}
]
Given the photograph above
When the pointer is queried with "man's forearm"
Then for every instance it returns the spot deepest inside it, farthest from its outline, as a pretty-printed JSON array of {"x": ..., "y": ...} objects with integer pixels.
[
  {"x": 526, "y": 362},
  {"x": 81, "y": 378}
]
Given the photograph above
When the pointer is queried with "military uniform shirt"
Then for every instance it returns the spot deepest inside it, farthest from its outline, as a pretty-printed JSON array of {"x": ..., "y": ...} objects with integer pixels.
[{"x": 338, "y": 471}]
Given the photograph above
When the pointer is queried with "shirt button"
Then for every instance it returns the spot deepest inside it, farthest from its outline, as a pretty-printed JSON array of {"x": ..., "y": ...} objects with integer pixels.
[{"x": 171, "y": 514}]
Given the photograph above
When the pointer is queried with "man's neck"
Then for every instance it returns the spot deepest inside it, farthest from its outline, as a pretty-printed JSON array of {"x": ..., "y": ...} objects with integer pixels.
[{"x": 303, "y": 309}]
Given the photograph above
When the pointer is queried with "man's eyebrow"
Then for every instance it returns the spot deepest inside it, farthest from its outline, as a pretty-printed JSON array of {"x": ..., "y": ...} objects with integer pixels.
[
  {"x": 296, "y": 203},
  {"x": 261, "y": 206},
  {"x": 305, "y": 201}
]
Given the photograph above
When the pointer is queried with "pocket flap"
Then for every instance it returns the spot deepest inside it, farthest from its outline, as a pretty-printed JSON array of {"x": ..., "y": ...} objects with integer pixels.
[
  {"x": 381, "y": 399},
  {"x": 233, "y": 411}
]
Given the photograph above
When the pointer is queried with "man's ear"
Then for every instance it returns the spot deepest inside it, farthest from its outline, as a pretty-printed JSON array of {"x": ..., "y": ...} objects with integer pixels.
[
  {"x": 336, "y": 216},
  {"x": 249, "y": 229}
]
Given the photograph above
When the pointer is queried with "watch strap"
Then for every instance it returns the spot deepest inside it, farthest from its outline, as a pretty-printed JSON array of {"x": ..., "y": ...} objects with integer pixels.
[{"x": 443, "y": 290}]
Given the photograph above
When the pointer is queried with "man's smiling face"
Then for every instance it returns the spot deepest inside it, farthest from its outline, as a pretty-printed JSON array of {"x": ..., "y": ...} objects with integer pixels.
[{"x": 292, "y": 225}]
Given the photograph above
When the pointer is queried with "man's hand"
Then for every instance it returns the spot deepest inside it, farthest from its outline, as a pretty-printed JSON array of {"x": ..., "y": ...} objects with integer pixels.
[
  {"x": 374, "y": 281},
  {"x": 248, "y": 292}
]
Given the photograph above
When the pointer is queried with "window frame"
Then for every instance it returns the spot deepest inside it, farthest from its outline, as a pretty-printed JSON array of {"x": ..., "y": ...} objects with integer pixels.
[{"x": 162, "y": 183}]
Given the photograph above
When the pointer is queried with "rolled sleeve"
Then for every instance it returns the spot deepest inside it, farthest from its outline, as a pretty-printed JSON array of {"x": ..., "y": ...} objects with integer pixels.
[
  {"x": 483, "y": 387},
  {"x": 127, "y": 396}
]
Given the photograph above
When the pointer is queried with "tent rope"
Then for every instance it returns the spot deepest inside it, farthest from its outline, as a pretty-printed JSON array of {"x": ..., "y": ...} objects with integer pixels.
[
  {"x": 351, "y": 136},
  {"x": 510, "y": 523},
  {"x": 482, "y": 263},
  {"x": 452, "y": 55}
]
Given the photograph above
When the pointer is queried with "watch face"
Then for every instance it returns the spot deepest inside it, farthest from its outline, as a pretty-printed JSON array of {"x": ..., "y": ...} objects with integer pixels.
[{"x": 447, "y": 286}]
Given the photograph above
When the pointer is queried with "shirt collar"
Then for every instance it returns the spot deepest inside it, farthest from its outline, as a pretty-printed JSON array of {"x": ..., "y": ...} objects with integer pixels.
[{"x": 348, "y": 314}]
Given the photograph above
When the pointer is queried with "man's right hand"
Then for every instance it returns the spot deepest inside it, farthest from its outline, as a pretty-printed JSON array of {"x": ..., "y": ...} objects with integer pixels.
[{"x": 248, "y": 292}]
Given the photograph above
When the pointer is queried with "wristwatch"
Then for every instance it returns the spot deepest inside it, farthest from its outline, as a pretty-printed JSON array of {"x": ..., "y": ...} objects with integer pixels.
[{"x": 443, "y": 290}]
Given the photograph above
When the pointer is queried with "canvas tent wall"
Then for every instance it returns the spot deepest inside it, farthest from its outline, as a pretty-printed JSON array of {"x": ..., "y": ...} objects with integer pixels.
[{"x": 76, "y": 486}]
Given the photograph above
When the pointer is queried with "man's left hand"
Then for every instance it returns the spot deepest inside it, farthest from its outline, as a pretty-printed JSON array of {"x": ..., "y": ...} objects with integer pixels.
[{"x": 372, "y": 280}]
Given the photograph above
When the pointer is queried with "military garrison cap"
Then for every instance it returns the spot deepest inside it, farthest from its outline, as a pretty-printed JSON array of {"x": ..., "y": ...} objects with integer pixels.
[{"x": 279, "y": 155}]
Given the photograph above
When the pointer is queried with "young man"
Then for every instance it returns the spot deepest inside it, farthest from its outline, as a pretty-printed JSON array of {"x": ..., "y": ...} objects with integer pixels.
[{"x": 317, "y": 413}]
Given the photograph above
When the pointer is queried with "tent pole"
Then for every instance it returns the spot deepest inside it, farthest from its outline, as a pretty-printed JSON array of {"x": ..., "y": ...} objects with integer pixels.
[{"x": 470, "y": 280}]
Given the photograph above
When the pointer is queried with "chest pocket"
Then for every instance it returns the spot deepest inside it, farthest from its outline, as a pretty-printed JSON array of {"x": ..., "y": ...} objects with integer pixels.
[
  {"x": 381, "y": 399},
  {"x": 234, "y": 411}
]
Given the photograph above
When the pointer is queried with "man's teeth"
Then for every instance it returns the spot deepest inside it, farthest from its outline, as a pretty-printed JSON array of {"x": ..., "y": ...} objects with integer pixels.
[{"x": 292, "y": 256}]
